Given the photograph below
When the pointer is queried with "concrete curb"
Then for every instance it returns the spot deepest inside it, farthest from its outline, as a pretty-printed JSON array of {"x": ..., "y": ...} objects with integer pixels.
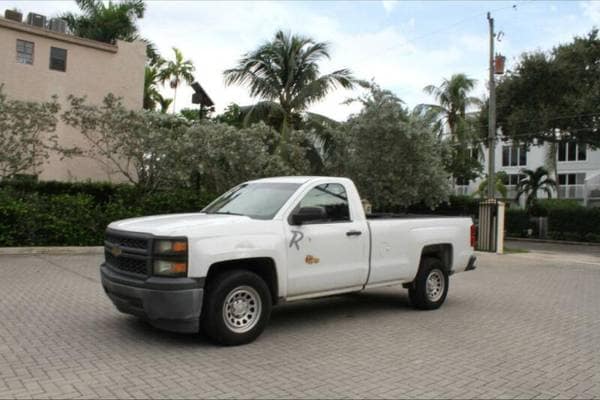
[
  {"x": 517, "y": 239},
  {"x": 73, "y": 250}
]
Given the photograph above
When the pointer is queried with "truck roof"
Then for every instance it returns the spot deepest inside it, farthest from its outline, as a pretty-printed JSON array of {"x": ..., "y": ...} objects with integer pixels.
[{"x": 292, "y": 179}]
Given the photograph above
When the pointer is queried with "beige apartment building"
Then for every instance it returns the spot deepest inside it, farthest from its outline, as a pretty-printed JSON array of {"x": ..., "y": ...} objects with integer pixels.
[{"x": 37, "y": 63}]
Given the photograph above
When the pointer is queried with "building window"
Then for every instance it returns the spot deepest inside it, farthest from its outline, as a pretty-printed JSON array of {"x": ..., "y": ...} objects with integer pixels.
[
  {"x": 571, "y": 179},
  {"x": 512, "y": 179},
  {"x": 461, "y": 181},
  {"x": 24, "y": 52},
  {"x": 571, "y": 151},
  {"x": 570, "y": 186},
  {"x": 515, "y": 155},
  {"x": 58, "y": 59}
]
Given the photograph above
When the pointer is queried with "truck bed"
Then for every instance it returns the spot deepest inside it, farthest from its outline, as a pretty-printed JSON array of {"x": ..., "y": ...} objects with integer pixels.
[{"x": 410, "y": 216}]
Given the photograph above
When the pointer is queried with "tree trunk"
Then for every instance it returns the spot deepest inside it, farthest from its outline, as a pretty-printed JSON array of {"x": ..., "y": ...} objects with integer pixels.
[{"x": 174, "y": 98}]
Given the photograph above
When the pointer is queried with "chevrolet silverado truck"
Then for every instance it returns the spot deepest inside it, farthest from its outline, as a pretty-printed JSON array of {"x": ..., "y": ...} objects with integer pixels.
[{"x": 270, "y": 241}]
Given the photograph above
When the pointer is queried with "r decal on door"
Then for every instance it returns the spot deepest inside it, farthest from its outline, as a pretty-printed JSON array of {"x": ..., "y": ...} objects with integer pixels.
[{"x": 297, "y": 237}]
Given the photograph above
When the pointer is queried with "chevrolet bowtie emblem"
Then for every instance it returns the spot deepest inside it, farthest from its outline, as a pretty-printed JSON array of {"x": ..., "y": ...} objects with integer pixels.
[{"x": 116, "y": 251}]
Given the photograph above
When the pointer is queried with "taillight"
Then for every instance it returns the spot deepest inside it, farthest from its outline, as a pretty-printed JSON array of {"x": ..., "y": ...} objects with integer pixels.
[{"x": 473, "y": 236}]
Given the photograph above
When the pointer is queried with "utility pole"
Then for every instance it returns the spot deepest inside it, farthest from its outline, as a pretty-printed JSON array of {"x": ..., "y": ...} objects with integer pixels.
[{"x": 492, "y": 117}]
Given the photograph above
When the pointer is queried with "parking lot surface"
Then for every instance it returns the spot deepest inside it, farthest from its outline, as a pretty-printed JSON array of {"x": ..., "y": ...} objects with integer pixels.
[{"x": 521, "y": 326}]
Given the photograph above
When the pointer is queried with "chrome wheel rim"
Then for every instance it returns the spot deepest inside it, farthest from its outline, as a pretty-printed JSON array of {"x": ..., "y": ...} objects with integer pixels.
[
  {"x": 435, "y": 285},
  {"x": 241, "y": 309}
]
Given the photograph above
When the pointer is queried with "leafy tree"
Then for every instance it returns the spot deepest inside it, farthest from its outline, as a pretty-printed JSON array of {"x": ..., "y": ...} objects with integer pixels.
[
  {"x": 552, "y": 96},
  {"x": 177, "y": 71},
  {"x": 139, "y": 145},
  {"x": 106, "y": 21},
  {"x": 231, "y": 116},
  {"x": 155, "y": 150},
  {"x": 223, "y": 156},
  {"x": 195, "y": 114},
  {"x": 393, "y": 156},
  {"x": 27, "y": 135},
  {"x": 284, "y": 73},
  {"x": 534, "y": 182},
  {"x": 449, "y": 116}
]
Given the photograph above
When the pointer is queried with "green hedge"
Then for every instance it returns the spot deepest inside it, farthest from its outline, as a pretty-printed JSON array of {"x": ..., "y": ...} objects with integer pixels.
[
  {"x": 517, "y": 222},
  {"x": 578, "y": 224},
  {"x": 456, "y": 205},
  {"x": 567, "y": 220},
  {"x": 59, "y": 214}
]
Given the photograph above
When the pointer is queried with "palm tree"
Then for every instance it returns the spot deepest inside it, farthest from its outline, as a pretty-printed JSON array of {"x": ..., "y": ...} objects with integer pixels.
[
  {"x": 552, "y": 163},
  {"x": 532, "y": 183},
  {"x": 501, "y": 178},
  {"x": 450, "y": 112},
  {"x": 284, "y": 74},
  {"x": 453, "y": 100},
  {"x": 164, "y": 104},
  {"x": 151, "y": 80},
  {"x": 176, "y": 71},
  {"x": 106, "y": 21}
]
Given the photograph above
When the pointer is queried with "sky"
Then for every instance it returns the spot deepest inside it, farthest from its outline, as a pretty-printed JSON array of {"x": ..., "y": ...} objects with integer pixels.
[{"x": 402, "y": 45}]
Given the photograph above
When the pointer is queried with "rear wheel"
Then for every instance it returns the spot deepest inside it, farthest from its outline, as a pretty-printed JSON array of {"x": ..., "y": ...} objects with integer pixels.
[
  {"x": 237, "y": 308},
  {"x": 430, "y": 287}
]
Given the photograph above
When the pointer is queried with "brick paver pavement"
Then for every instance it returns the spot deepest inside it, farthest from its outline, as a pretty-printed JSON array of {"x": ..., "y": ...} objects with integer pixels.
[{"x": 520, "y": 326}]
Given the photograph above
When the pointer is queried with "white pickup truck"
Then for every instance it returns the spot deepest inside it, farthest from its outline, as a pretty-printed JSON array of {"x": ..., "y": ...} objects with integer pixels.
[{"x": 271, "y": 241}]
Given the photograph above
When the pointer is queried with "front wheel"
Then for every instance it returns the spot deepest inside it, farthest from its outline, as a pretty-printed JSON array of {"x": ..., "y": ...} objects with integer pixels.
[
  {"x": 430, "y": 287},
  {"x": 237, "y": 308}
]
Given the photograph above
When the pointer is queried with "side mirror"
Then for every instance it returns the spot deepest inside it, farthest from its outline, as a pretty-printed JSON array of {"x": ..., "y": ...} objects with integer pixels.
[{"x": 307, "y": 214}]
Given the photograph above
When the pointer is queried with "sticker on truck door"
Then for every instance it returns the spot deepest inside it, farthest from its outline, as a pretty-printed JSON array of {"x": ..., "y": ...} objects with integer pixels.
[{"x": 297, "y": 237}]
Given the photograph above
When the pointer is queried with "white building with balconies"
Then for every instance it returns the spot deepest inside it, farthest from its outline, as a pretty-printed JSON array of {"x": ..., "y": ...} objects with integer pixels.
[{"x": 578, "y": 168}]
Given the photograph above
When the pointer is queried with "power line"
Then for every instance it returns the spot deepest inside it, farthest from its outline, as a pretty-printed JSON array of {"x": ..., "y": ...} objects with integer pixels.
[{"x": 443, "y": 29}]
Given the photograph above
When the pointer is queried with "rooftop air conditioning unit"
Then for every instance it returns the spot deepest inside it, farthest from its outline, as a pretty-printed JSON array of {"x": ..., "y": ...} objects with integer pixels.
[
  {"x": 36, "y": 20},
  {"x": 13, "y": 15},
  {"x": 58, "y": 25}
]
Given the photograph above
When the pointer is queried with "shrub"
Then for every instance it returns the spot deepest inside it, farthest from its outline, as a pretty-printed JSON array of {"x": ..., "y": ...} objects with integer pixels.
[
  {"x": 56, "y": 214},
  {"x": 552, "y": 204},
  {"x": 517, "y": 223},
  {"x": 579, "y": 223}
]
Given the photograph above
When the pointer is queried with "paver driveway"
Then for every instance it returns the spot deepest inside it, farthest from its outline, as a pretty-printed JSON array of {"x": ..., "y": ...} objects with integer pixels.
[{"x": 521, "y": 325}]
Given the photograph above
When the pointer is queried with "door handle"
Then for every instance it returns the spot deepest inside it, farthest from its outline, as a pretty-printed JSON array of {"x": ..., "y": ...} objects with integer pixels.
[{"x": 353, "y": 233}]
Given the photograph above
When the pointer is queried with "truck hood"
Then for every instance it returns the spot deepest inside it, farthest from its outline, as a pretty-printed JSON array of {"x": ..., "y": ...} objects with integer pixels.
[{"x": 177, "y": 224}]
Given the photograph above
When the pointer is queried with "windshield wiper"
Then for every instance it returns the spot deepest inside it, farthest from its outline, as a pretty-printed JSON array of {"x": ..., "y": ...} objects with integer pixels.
[{"x": 224, "y": 213}]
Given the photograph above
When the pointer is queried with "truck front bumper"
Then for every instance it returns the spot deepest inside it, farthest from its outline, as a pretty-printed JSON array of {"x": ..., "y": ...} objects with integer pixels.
[{"x": 172, "y": 304}]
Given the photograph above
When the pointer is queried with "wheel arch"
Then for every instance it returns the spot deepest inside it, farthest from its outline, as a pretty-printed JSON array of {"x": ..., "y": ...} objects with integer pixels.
[
  {"x": 262, "y": 266},
  {"x": 441, "y": 251}
]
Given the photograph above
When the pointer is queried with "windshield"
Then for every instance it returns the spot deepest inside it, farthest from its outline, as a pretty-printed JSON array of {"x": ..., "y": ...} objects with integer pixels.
[{"x": 259, "y": 200}]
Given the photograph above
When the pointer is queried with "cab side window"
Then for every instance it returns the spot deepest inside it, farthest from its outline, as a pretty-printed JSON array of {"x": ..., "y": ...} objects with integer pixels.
[{"x": 332, "y": 199}]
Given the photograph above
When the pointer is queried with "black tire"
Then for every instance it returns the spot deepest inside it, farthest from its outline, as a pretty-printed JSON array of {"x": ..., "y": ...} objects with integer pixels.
[
  {"x": 219, "y": 321},
  {"x": 419, "y": 296}
]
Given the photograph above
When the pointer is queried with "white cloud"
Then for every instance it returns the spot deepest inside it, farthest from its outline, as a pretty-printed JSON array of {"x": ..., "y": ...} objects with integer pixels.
[
  {"x": 389, "y": 5},
  {"x": 591, "y": 9}
]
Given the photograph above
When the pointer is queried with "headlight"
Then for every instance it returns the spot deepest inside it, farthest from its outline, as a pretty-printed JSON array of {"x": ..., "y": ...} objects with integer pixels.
[
  {"x": 170, "y": 268},
  {"x": 170, "y": 247}
]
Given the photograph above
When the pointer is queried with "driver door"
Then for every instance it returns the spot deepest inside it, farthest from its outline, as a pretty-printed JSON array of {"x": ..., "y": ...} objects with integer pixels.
[{"x": 330, "y": 252}]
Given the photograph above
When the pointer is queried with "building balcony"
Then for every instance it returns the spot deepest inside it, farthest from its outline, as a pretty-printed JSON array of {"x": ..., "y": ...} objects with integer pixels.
[{"x": 571, "y": 192}]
